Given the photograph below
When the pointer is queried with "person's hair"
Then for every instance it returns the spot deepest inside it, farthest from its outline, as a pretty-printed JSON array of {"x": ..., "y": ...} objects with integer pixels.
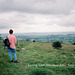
[{"x": 11, "y": 31}]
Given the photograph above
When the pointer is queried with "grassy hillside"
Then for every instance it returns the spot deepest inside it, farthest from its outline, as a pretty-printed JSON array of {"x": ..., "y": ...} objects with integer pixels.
[{"x": 38, "y": 59}]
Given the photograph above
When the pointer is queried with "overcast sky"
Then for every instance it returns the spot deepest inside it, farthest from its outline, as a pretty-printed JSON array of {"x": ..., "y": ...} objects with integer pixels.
[{"x": 37, "y": 15}]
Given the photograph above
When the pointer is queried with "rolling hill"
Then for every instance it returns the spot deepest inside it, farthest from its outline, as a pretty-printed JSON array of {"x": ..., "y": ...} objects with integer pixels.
[{"x": 36, "y": 58}]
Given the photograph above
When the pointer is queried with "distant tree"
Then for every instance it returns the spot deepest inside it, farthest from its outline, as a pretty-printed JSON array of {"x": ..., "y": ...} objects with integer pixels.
[
  {"x": 27, "y": 40},
  {"x": 0, "y": 36},
  {"x": 33, "y": 40},
  {"x": 56, "y": 44}
]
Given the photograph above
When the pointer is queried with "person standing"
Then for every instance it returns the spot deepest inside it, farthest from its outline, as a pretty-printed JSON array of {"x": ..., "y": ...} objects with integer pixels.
[{"x": 12, "y": 48}]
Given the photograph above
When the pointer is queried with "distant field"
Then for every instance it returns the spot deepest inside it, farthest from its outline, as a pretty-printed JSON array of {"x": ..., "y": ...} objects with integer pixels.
[
  {"x": 37, "y": 58},
  {"x": 63, "y": 37}
]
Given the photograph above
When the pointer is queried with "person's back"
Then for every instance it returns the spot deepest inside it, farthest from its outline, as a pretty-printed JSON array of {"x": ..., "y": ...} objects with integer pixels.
[
  {"x": 12, "y": 40},
  {"x": 12, "y": 48}
]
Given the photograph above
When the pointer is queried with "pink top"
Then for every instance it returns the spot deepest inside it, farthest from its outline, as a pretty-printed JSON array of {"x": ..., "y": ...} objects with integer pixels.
[{"x": 12, "y": 40}]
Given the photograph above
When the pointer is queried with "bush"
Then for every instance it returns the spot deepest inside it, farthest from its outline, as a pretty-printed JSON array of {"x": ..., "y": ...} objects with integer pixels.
[
  {"x": 56, "y": 44},
  {"x": 27, "y": 40},
  {"x": 74, "y": 43},
  {"x": 33, "y": 40}
]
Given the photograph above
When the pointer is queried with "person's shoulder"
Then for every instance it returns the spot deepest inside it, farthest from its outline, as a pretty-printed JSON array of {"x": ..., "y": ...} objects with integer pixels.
[
  {"x": 7, "y": 36},
  {"x": 13, "y": 36}
]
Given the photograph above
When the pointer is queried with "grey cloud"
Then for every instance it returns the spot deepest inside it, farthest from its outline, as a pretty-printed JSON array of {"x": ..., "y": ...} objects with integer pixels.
[
  {"x": 68, "y": 21},
  {"x": 2, "y": 26},
  {"x": 37, "y": 6}
]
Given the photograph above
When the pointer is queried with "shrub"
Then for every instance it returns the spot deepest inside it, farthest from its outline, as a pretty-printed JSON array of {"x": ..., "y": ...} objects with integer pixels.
[
  {"x": 74, "y": 43},
  {"x": 27, "y": 40},
  {"x": 33, "y": 40},
  {"x": 56, "y": 44}
]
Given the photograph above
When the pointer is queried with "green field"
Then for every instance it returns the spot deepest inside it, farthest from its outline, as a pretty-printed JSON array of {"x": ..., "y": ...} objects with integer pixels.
[{"x": 37, "y": 58}]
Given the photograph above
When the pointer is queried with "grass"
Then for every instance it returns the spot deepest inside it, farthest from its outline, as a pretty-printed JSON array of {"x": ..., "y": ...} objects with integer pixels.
[{"x": 37, "y": 58}]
